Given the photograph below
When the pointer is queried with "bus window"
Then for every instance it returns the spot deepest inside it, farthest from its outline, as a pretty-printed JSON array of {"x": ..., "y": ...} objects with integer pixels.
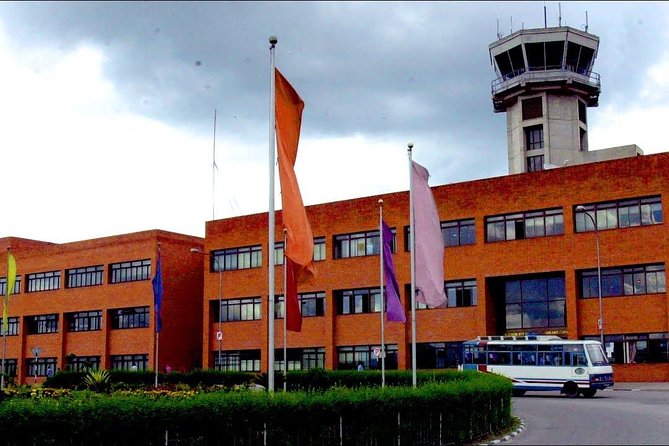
[
  {"x": 596, "y": 355},
  {"x": 499, "y": 358},
  {"x": 580, "y": 359},
  {"x": 528, "y": 358},
  {"x": 516, "y": 358}
]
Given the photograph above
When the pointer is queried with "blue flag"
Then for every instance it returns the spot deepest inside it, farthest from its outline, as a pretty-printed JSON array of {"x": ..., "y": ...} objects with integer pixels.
[{"x": 158, "y": 293}]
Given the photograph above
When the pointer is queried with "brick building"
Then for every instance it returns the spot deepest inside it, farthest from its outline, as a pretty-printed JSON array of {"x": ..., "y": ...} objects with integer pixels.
[
  {"x": 519, "y": 258},
  {"x": 90, "y": 304}
]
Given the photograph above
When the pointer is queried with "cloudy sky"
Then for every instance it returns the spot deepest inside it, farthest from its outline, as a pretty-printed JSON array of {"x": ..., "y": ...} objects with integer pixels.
[{"x": 106, "y": 109}]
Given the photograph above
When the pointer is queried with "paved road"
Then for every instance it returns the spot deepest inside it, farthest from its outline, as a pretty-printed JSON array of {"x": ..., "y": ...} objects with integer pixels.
[{"x": 611, "y": 417}]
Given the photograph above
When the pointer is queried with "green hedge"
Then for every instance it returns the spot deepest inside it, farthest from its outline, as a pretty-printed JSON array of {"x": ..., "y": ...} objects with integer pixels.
[
  {"x": 456, "y": 411},
  {"x": 314, "y": 379}
]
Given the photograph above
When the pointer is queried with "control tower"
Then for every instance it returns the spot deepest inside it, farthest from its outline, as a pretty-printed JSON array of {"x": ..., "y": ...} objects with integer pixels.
[{"x": 545, "y": 84}]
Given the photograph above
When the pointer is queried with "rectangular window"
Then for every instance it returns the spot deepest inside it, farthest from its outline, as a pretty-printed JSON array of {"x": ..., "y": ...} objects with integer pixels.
[
  {"x": 534, "y": 137},
  {"x": 619, "y": 214},
  {"x": 319, "y": 249},
  {"x": 359, "y": 244},
  {"x": 461, "y": 293},
  {"x": 233, "y": 310},
  {"x": 130, "y": 271},
  {"x": 236, "y": 258},
  {"x": 237, "y": 361},
  {"x": 86, "y": 276},
  {"x": 358, "y": 301},
  {"x": 40, "y": 366},
  {"x": 278, "y": 253},
  {"x": 624, "y": 281},
  {"x": 535, "y": 302},
  {"x": 130, "y": 362},
  {"x": 535, "y": 163},
  {"x": 43, "y": 281},
  {"x": 438, "y": 355},
  {"x": 636, "y": 348},
  {"x": 3, "y": 286},
  {"x": 84, "y": 321},
  {"x": 83, "y": 363},
  {"x": 300, "y": 358},
  {"x": 542, "y": 223},
  {"x": 532, "y": 108},
  {"x": 42, "y": 324},
  {"x": 11, "y": 366},
  {"x": 349, "y": 358},
  {"x": 458, "y": 232},
  {"x": 124, "y": 318},
  {"x": 12, "y": 326},
  {"x": 311, "y": 305}
]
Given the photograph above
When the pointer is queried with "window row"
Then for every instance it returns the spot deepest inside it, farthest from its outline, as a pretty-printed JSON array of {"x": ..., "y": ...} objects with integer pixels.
[
  {"x": 122, "y": 318},
  {"x": 625, "y": 281},
  {"x": 42, "y": 367},
  {"x": 81, "y": 277},
  {"x": 619, "y": 214}
]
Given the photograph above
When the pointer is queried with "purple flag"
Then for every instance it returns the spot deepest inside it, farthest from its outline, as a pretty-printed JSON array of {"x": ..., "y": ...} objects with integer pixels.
[
  {"x": 428, "y": 241},
  {"x": 394, "y": 310}
]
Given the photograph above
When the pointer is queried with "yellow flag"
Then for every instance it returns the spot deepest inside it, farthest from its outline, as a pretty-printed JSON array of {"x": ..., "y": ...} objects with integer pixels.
[{"x": 11, "y": 279}]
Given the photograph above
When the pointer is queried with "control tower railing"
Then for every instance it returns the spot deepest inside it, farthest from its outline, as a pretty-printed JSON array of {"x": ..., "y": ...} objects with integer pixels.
[{"x": 542, "y": 74}]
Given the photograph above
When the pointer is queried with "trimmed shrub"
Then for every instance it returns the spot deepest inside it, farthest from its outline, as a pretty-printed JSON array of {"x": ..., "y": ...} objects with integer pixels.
[{"x": 456, "y": 410}]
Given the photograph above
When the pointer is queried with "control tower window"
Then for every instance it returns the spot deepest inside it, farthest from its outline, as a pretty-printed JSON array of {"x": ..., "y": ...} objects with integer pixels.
[
  {"x": 532, "y": 108},
  {"x": 535, "y": 163},
  {"x": 534, "y": 137},
  {"x": 582, "y": 112}
]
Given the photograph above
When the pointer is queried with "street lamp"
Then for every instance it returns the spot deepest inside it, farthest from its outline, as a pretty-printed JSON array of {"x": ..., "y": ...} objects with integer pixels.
[
  {"x": 219, "y": 335},
  {"x": 600, "y": 322},
  {"x": 36, "y": 351}
]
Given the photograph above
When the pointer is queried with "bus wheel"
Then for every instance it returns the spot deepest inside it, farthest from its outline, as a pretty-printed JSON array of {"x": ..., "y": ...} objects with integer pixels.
[
  {"x": 570, "y": 389},
  {"x": 517, "y": 392},
  {"x": 588, "y": 393}
]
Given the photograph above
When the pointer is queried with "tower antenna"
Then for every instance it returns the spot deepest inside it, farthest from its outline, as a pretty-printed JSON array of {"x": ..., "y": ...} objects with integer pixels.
[
  {"x": 545, "y": 21},
  {"x": 559, "y": 14}
]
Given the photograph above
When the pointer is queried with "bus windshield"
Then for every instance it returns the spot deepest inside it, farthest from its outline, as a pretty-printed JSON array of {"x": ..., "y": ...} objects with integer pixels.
[{"x": 596, "y": 354}]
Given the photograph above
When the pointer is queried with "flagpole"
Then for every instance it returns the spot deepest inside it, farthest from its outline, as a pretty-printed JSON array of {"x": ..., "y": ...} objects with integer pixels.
[
  {"x": 213, "y": 175},
  {"x": 285, "y": 308},
  {"x": 412, "y": 244},
  {"x": 157, "y": 333},
  {"x": 272, "y": 110},
  {"x": 5, "y": 326},
  {"x": 381, "y": 275}
]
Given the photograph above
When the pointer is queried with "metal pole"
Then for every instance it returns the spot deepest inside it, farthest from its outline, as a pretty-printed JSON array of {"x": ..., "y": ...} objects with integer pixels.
[
  {"x": 285, "y": 306},
  {"x": 412, "y": 244},
  {"x": 270, "y": 244},
  {"x": 220, "y": 311},
  {"x": 381, "y": 297},
  {"x": 4, "y": 351},
  {"x": 600, "y": 321}
]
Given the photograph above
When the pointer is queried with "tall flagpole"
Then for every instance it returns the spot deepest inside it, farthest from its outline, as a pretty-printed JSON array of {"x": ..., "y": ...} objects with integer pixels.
[
  {"x": 155, "y": 325},
  {"x": 412, "y": 244},
  {"x": 5, "y": 325},
  {"x": 213, "y": 175},
  {"x": 381, "y": 275},
  {"x": 285, "y": 308},
  {"x": 270, "y": 244}
]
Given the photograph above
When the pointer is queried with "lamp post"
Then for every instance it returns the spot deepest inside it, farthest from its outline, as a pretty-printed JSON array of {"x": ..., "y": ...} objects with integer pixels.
[
  {"x": 600, "y": 322},
  {"x": 219, "y": 335},
  {"x": 36, "y": 351}
]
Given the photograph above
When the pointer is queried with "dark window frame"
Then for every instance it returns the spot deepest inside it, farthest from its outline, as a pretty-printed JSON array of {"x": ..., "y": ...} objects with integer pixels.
[
  {"x": 534, "y": 137},
  {"x": 233, "y": 259},
  {"x": 130, "y": 318},
  {"x": 44, "y": 281},
  {"x": 238, "y": 310},
  {"x": 619, "y": 214},
  {"x": 3, "y": 285},
  {"x": 84, "y": 321},
  {"x": 626, "y": 279},
  {"x": 84, "y": 276},
  {"x": 359, "y": 244},
  {"x": 516, "y": 226},
  {"x": 130, "y": 271},
  {"x": 237, "y": 360},
  {"x": 312, "y": 304},
  {"x": 42, "y": 324},
  {"x": 126, "y": 362}
]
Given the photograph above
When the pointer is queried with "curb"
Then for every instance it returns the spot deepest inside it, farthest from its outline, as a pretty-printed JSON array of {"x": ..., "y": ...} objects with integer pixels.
[{"x": 506, "y": 437}]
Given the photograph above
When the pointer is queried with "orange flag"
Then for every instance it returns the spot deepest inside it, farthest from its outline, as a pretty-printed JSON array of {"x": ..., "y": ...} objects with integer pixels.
[{"x": 300, "y": 246}]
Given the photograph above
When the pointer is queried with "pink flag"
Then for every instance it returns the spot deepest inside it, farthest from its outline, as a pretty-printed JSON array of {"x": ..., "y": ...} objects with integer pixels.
[{"x": 429, "y": 243}]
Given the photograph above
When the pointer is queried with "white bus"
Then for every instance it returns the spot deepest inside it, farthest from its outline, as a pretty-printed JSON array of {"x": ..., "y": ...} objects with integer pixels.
[{"x": 541, "y": 363}]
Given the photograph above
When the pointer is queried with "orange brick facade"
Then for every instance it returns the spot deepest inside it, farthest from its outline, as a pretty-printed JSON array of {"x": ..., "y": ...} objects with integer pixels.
[
  {"x": 179, "y": 339},
  {"x": 482, "y": 261},
  {"x": 188, "y": 339}
]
